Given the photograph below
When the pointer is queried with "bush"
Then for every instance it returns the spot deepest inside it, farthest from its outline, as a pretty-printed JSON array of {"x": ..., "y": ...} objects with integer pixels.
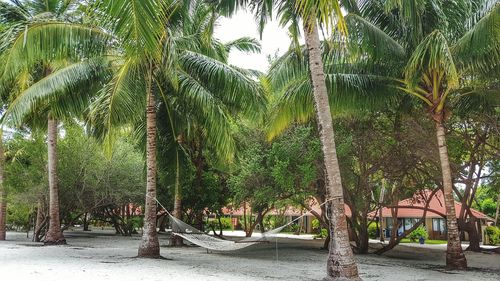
[
  {"x": 417, "y": 233},
  {"x": 315, "y": 224},
  {"x": 320, "y": 232},
  {"x": 493, "y": 234},
  {"x": 373, "y": 230},
  {"x": 226, "y": 224},
  {"x": 18, "y": 217}
]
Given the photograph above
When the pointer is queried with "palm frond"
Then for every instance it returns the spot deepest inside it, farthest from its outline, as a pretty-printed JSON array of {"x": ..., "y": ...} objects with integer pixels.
[
  {"x": 244, "y": 44},
  {"x": 51, "y": 41},
  {"x": 479, "y": 49},
  {"x": 138, "y": 23},
  {"x": 210, "y": 112},
  {"x": 52, "y": 87},
  {"x": 229, "y": 85},
  {"x": 372, "y": 40},
  {"x": 432, "y": 55},
  {"x": 121, "y": 101},
  {"x": 327, "y": 12}
]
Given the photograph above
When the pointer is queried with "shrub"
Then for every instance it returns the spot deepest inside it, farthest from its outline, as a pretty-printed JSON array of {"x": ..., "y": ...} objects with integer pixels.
[
  {"x": 493, "y": 234},
  {"x": 417, "y": 233},
  {"x": 320, "y": 232},
  {"x": 373, "y": 230},
  {"x": 315, "y": 224},
  {"x": 18, "y": 216},
  {"x": 226, "y": 224}
]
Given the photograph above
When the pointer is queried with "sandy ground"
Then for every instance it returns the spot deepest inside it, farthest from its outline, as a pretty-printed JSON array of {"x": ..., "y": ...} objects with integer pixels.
[{"x": 99, "y": 255}]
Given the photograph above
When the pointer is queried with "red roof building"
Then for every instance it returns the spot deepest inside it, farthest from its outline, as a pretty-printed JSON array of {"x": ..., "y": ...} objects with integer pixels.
[{"x": 410, "y": 211}]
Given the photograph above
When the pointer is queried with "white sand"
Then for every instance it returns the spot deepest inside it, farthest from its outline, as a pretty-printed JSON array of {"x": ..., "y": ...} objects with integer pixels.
[{"x": 98, "y": 255}]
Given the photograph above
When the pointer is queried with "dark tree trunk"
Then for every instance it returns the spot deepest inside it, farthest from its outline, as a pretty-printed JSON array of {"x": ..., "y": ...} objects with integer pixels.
[
  {"x": 150, "y": 246},
  {"x": 175, "y": 240},
  {"x": 39, "y": 221},
  {"x": 86, "y": 222},
  {"x": 340, "y": 263},
  {"x": 162, "y": 223},
  {"x": 362, "y": 243},
  {"x": 258, "y": 220},
  {"x": 455, "y": 258},
  {"x": 54, "y": 235},
  {"x": 497, "y": 210},
  {"x": 472, "y": 231}
]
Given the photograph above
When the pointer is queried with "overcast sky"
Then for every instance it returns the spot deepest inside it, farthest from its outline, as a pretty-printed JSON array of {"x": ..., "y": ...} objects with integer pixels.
[{"x": 274, "y": 39}]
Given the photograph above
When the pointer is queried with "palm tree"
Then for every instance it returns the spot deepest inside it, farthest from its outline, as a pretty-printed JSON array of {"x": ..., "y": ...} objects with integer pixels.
[
  {"x": 45, "y": 77},
  {"x": 340, "y": 263},
  {"x": 165, "y": 61},
  {"x": 3, "y": 193},
  {"x": 432, "y": 52}
]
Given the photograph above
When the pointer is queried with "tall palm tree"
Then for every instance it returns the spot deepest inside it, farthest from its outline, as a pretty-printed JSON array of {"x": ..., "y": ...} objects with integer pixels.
[
  {"x": 340, "y": 263},
  {"x": 43, "y": 70},
  {"x": 3, "y": 192},
  {"x": 161, "y": 60},
  {"x": 436, "y": 53}
]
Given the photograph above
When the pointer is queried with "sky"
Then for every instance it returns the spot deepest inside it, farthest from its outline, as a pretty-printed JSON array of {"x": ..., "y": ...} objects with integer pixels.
[{"x": 275, "y": 39}]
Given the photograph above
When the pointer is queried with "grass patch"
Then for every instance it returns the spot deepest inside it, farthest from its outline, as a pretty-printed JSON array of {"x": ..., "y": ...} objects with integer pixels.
[{"x": 428, "y": 241}]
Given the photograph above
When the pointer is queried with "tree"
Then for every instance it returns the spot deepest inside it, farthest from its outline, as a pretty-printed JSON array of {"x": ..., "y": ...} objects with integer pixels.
[
  {"x": 89, "y": 182},
  {"x": 168, "y": 60},
  {"x": 3, "y": 191},
  {"x": 341, "y": 263},
  {"x": 421, "y": 50},
  {"x": 272, "y": 175},
  {"x": 41, "y": 75}
]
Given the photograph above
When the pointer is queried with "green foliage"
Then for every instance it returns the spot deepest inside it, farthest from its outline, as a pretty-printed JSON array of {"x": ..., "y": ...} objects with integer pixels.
[
  {"x": 319, "y": 231},
  {"x": 268, "y": 173},
  {"x": 87, "y": 179},
  {"x": 373, "y": 229},
  {"x": 18, "y": 215},
  {"x": 214, "y": 224},
  {"x": 315, "y": 224},
  {"x": 493, "y": 233},
  {"x": 489, "y": 206},
  {"x": 418, "y": 233},
  {"x": 486, "y": 198}
]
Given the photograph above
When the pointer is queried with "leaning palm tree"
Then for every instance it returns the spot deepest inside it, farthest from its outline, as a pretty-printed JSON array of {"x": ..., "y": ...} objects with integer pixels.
[
  {"x": 314, "y": 14},
  {"x": 161, "y": 60},
  {"x": 43, "y": 72},
  {"x": 3, "y": 192},
  {"x": 436, "y": 53}
]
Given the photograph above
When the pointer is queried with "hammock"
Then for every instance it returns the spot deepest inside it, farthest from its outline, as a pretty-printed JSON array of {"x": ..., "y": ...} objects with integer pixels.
[{"x": 200, "y": 238}]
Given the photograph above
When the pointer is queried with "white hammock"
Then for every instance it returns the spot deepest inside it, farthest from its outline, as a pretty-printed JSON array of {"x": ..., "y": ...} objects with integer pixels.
[
  {"x": 206, "y": 241},
  {"x": 200, "y": 238}
]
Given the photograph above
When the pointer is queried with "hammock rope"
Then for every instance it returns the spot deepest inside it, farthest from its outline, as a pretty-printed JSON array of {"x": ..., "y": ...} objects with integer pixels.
[{"x": 200, "y": 238}]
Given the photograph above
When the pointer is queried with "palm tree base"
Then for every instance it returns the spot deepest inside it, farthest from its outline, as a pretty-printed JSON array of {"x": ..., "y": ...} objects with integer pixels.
[
  {"x": 176, "y": 241},
  {"x": 456, "y": 261},
  {"x": 150, "y": 250},
  {"x": 346, "y": 272},
  {"x": 329, "y": 278},
  {"x": 60, "y": 241}
]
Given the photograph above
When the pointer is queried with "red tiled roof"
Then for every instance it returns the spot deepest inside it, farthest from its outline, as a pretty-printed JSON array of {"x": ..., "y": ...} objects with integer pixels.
[
  {"x": 413, "y": 207},
  {"x": 290, "y": 211},
  {"x": 409, "y": 208}
]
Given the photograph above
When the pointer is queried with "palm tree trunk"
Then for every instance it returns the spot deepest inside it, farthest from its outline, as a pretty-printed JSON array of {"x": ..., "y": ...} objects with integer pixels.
[
  {"x": 3, "y": 193},
  {"x": 54, "y": 234},
  {"x": 175, "y": 240},
  {"x": 150, "y": 246},
  {"x": 497, "y": 211},
  {"x": 39, "y": 220},
  {"x": 341, "y": 263},
  {"x": 455, "y": 258}
]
